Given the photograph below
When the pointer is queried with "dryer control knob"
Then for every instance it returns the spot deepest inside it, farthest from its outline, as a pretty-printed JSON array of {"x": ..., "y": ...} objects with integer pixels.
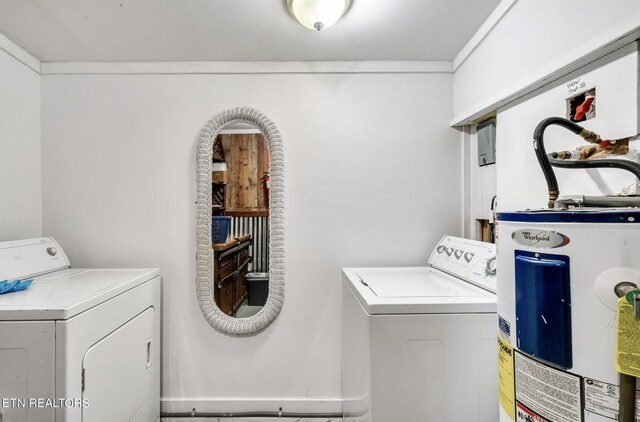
[
  {"x": 52, "y": 251},
  {"x": 440, "y": 249},
  {"x": 468, "y": 256},
  {"x": 458, "y": 253},
  {"x": 449, "y": 251}
]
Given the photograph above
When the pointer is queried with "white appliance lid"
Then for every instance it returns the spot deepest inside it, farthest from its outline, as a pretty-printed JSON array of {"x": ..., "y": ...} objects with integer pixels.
[
  {"x": 63, "y": 294},
  {"x": 415, "y": 290},
  {"x": 415, "y": 283}
]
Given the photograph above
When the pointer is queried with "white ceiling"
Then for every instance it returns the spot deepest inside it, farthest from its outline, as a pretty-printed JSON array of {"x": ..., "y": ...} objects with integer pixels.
[{"x": 237, "y": 30}]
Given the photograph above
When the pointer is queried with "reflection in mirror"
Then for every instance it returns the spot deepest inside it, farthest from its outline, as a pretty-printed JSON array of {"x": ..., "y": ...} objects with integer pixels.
[
  {"x": 250, "y": 195},
  {"x": 240, "y": 184}
]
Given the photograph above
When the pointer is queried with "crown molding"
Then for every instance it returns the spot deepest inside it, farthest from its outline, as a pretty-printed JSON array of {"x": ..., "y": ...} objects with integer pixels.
[
  {"x": 265, "y": 67},
  {"x": 19, "y": 54}
]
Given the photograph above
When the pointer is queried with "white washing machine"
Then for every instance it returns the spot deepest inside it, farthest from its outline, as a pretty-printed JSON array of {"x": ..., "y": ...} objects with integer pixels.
[
  {"x": 77, "y": 344},
  {"x": 419, "y": 344}
]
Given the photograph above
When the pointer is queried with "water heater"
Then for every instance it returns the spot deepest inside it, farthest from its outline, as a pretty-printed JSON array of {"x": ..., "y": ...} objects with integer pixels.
[{"x": 557, "y": 311}]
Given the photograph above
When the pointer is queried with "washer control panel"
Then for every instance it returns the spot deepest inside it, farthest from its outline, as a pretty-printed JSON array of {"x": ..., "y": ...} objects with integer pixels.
[{"x": 470, "y": 260}]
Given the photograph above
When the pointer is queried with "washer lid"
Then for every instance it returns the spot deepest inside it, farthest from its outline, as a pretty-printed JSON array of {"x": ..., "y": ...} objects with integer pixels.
[
  {"x": 63, "y": 294},
  {"x": 416, "y": 290},
  {"x": 415, "y": 283}
]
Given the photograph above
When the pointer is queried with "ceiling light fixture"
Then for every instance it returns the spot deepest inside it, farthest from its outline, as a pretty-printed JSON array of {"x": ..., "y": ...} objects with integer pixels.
[{"x": 318, "y": 14}]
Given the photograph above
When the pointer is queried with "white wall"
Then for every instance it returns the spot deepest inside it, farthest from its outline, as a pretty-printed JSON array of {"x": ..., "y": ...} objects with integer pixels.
[
  {"x": 482, "y": 188},
  {"x": 20, "y": 187},
  {"x": 521, "y": 183},
  {"x": 533, "y": 39},
  {"x": 373, "y": 177}
]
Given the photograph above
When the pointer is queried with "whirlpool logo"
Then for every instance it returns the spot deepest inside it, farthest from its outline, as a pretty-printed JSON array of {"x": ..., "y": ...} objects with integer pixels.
[
  {"x": 536, "y": 237},
  {"x": 545, "y": 239}
]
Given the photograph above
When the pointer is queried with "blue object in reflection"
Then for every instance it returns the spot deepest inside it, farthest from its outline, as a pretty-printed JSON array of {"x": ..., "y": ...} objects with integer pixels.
[{"x": 543, "y": 307}]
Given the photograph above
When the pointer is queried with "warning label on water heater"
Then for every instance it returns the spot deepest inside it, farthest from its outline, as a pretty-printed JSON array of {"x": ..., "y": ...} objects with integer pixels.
[
  {"x": 545, "y": 393},
  {"x": 527, "y": 415}
]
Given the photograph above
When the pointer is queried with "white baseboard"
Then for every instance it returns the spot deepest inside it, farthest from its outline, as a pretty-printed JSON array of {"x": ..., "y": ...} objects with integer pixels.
[
  {"x": 232, "y": 419},
  {"x": 236, "y": 405}
]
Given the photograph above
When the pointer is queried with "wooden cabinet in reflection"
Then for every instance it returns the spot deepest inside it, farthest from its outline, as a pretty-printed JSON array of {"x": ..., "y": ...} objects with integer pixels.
[
  {"x": 247, "y": 158},
  {"x": 230, "y": 266}
]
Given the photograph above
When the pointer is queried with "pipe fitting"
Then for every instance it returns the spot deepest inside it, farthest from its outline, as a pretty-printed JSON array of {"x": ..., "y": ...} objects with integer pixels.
[
  {"x": 547, "y": 161},
  {"x": 624, "y": 287},
  {"x": 562, "y": 155},
  {"x": 553, "y": 197},
  {"x": 590, "y": 136}
]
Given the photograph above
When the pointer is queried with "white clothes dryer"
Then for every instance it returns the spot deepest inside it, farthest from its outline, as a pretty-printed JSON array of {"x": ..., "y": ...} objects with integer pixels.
[
  {"x": 77, "y": 344},
  {"x": 419, "y": 344}
]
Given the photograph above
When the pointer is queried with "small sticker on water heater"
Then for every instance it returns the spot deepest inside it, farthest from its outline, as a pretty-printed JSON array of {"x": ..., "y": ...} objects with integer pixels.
[
  {"x": 543, "y": 239},
  {"x": 505, "y": 329},
  {"x": 602, "y": 398}
]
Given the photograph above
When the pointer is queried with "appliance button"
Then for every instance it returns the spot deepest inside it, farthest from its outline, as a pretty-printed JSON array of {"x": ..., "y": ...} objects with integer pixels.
[
  {"x": 449, "y": 251},
  {"x": 52, "y": 251},
  {"x": 468, "y": 256},
  {"x": 440, "y": 249},
  {"x": 458, "y": 253}
]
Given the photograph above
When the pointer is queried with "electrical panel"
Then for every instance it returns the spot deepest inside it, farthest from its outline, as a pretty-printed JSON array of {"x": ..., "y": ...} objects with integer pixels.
[{"x": 486, "y": 133}]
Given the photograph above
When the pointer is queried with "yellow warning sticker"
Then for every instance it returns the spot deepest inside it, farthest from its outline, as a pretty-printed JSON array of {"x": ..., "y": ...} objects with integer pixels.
[
  {"x": 505, "y": 377},
  {"x": 627, "y": 340}
]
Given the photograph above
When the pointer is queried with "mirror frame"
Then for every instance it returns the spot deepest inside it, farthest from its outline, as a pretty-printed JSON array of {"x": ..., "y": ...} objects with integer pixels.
[{"x": 204, "y": 253}]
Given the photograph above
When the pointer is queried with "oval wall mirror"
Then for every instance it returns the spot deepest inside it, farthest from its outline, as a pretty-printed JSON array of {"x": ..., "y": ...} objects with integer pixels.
[{"x": 240, "y": 222}]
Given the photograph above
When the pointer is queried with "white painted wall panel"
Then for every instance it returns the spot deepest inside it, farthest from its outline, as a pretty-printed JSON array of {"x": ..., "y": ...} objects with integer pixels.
[
  {"x": 373, "y": 177},
  {"x": 531, "y": 40},
  {"x": 482, "y": 188},
  {"x": 20, "y": 187},
  {"x": 520, "y": 181}
]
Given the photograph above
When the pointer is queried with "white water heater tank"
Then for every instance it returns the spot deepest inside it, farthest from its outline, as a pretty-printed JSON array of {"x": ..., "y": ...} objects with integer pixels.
[{"x": 557, "y": 311}]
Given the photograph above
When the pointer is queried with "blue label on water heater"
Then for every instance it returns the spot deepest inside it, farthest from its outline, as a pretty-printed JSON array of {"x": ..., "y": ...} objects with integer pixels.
[{"x": 543, "y": 307}]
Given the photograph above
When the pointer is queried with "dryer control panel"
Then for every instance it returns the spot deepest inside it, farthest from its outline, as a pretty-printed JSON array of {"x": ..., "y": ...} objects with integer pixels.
[
  {"x": 470, "y": 260},
  {"x": 21, "y": 259}
]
